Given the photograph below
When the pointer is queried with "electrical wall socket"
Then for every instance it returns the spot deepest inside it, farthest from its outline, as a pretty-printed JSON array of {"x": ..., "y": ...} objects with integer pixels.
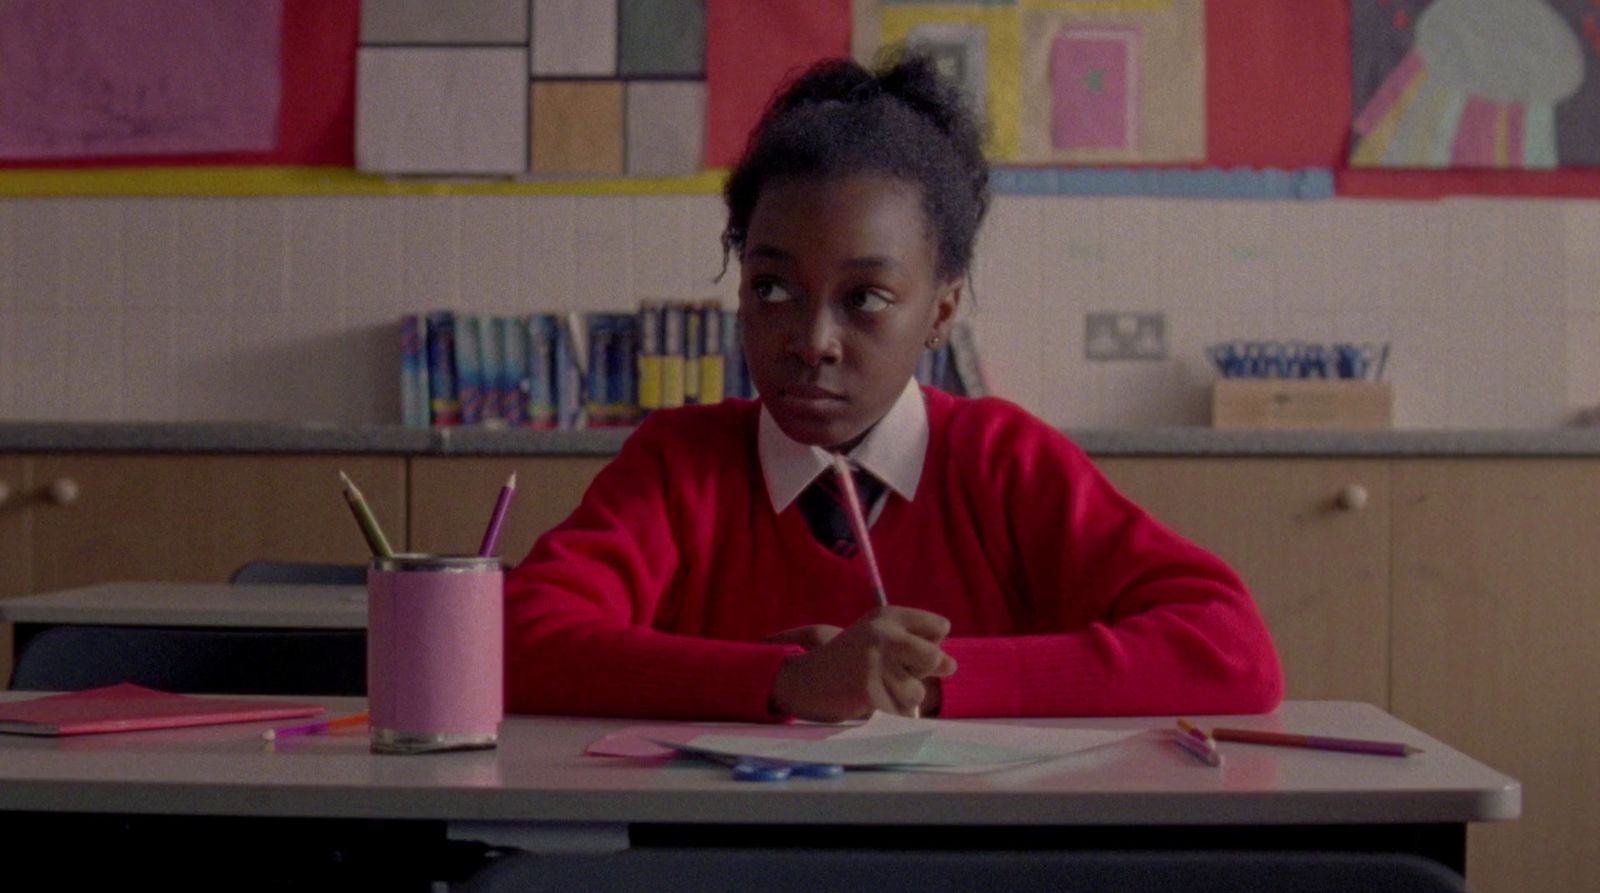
[{"x": 1125, "y": 336}]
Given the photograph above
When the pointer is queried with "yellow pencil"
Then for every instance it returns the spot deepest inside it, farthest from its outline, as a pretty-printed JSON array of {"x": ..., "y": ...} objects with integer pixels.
[{"x": 369, "y": 524}]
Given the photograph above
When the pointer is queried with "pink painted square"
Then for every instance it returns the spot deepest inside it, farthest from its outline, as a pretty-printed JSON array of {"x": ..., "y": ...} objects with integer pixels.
[{"x": 1094, "y": 96}]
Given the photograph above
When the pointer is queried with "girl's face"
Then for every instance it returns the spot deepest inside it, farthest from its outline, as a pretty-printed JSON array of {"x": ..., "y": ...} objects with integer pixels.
[{"x": 837, "y": 299}]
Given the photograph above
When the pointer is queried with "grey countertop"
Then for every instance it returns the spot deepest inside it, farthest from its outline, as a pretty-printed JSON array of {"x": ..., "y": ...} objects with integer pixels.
[{"x": 68, "y": 437}]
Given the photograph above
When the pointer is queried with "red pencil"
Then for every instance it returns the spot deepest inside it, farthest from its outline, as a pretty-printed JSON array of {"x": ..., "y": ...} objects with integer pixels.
[{"x": 1316, "y": 742}]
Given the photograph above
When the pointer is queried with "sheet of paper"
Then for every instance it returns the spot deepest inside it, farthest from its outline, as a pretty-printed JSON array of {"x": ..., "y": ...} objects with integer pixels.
[
  {"x": 83, "y": 79},
  {"x": 442, "y": 110},
  {"x": 574, "y": 38},
  {"x": 878, "y": 752},
  {"x": 470, "y": 22},
  {"x": 959, "y": 744},
  {"x": 640, "y": 742},
  {"x": 883, "y": 742}
]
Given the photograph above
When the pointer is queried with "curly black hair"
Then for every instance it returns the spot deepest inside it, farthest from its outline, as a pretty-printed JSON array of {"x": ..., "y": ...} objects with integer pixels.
[{"x": 903, "y": 120}]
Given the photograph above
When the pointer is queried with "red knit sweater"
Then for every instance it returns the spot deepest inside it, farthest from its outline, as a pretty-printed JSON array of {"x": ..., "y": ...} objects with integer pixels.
[{"x": 1064, "y": 598}]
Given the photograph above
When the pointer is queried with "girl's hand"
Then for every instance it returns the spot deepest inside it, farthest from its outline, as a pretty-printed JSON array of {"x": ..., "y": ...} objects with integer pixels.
[
  {"x": 879, "y": 663},
  {"x": 808, "y": 637}
]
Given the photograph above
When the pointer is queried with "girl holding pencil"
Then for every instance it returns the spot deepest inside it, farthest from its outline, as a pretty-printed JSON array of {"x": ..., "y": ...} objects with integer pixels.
[{"x": 709, "y": 572}]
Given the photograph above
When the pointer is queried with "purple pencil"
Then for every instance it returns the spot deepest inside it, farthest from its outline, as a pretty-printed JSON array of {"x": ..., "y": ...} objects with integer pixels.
[{"x": 498, "y": 517}]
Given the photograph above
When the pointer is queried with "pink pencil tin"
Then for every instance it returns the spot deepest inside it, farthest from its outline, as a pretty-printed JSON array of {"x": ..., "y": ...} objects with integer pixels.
[{"x": 434, "y": 653}]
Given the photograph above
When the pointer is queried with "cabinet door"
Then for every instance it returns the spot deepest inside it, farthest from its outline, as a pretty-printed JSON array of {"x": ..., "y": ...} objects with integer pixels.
[
  {"x": 1310, "y": 539},
  {"x": 167, "y": 517},
  {"x": 14, "y": 546},
  {"x": 451, "y": 499},
  {"x": 15, "y": 557},
  {"x": 1496, "y": 621}
]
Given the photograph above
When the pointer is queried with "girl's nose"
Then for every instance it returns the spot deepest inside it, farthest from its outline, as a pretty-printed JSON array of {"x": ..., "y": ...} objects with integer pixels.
[{"x": 817, "y": 341}]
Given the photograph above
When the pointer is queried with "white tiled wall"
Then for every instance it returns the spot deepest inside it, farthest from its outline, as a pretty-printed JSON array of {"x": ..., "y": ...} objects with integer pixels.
[{"x": 281, "y": 309}]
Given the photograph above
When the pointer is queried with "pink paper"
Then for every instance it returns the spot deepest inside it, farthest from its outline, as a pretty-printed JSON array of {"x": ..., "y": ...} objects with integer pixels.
[
  {"x": 1474, "y": 145},
  {"x": 1394, "y": 86},
  {"x": 126, "y": 708},
  {"x": 1094, "y": 76},
  {"x": 86, "y": 78}
]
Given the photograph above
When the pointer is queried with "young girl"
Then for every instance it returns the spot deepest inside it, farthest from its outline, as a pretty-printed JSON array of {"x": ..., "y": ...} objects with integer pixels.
[{"x": 707, "y": 574}]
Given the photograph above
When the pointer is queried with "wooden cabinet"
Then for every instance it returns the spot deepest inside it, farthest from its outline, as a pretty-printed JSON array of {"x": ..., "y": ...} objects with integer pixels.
[
  {"x": 1496, "y": 627},
  {"x": 1310, "y": 537},
  {"x": 73, "y": 520},
  {"x": 15, "y": 550},
  {"x": 1461, "y": 594},
  {"x": 451, "y": 498},
  {"x": 196, "y": 517},
  {"x": 15, "y": 553}
]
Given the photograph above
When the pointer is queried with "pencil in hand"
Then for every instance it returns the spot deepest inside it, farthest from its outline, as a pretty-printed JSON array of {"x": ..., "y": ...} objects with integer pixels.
[
  {"x": 858, "y": 526},
  {"x": 369, "y": 524},
  {"x": 497, "y": 517}
]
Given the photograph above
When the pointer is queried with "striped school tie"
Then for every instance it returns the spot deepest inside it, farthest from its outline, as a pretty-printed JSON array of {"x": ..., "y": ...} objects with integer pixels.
[{"x": 822, "y": 505}]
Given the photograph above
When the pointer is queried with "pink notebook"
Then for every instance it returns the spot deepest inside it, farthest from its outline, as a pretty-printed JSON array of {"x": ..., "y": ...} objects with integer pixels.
[{"x": 128, "y": 708}]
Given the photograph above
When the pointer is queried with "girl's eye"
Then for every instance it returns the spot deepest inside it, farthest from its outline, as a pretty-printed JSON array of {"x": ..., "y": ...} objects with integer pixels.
[
  {"x": 770, "y": 292},
  {"x": 870, "y": 300}
]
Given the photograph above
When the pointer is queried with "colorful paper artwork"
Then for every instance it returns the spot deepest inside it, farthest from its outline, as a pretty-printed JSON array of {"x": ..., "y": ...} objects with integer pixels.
[
  {"x": 1475, "y": 83},
  {"x": 1066, "y": 81},
  {"x": 961, "y": 52},
  {"x": 750, "y": 49},
  {"x": 1094, "y": 79},
  {"x": 1113, "y": 83},
  {"x": 87, "y": 79}
]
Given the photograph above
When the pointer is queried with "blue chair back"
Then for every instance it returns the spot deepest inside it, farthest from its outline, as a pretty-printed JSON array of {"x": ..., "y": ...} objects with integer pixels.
[
  {"x": 192, "y": 660},
  {"x": 300, "y": 572}
]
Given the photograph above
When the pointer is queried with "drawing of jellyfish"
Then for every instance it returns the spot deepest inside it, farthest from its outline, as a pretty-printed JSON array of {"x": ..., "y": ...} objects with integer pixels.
[{"x": 1478, "y": 88}]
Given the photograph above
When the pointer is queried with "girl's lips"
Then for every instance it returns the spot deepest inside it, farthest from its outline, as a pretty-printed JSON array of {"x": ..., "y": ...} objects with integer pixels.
[{"x": 810, "y": 393}]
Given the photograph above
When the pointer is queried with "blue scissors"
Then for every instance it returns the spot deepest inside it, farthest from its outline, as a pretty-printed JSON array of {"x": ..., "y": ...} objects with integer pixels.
[{"x": 757, "y": 769}]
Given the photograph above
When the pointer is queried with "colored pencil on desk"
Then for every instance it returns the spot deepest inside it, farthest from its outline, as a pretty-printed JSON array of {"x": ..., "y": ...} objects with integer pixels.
[
  {"x": 1316, "y": 742},
  {"x": 1203, "y": 746},
  {"x": 369, "y": 524},
  {"x": 497, "y": 517},
  {"x": 858, "y": 526},
  {"x": 1201, "y": 751},
  {"x": 312, "y": 728}
]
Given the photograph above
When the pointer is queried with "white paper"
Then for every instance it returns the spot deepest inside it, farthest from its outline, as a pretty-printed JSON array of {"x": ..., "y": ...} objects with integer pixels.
[
  {"x": 442, "y": 110},
  {"x": 921, "y": 745}
]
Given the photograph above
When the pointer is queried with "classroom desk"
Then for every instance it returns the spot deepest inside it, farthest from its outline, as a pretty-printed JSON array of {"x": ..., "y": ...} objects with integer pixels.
[
  {"x": 537, "y": 790},
  {"x": 194, "y": 604},
  {"x": 217, "y": 605}
]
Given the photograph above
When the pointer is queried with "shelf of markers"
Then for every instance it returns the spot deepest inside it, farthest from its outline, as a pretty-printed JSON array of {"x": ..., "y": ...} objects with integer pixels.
[{"x": 598, "y": 369}]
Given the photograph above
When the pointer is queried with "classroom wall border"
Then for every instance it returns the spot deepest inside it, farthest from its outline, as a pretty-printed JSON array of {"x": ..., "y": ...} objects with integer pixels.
[{"x": 236, "y": 181}]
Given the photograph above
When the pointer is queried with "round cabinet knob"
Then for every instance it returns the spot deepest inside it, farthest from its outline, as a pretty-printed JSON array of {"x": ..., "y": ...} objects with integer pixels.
[
  {"x": 63, "y": 491},
  {"x": 1352, "y": 497}
]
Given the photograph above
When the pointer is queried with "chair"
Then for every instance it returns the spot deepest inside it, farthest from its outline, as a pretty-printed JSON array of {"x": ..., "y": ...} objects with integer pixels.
[
  {"x": 910, "y": 871},
  {"x": 206, "y": 659},
  {"x": 300, "y": 572},
  {"x": 194, "y": 660}
]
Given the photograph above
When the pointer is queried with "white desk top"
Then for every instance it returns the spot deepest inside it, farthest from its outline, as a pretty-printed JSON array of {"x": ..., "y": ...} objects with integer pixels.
[
  {"x": 539, "y": 775},
  {"x": 195, "y": 604}
]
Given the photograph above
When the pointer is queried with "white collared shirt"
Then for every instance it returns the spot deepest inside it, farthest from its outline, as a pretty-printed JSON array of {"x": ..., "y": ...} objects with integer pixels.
[{"x": 892, "y": 451}]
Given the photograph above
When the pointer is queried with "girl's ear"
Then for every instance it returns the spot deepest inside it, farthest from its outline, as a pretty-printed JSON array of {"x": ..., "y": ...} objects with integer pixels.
[{"x": 945, "y": 304}]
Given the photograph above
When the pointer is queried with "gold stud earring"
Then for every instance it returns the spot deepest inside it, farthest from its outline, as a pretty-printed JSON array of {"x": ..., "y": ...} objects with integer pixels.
[{"x": 933, "y": 341}]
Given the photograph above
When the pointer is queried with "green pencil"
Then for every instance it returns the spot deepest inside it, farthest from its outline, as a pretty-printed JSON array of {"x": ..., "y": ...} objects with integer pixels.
[{"x": 369, "y": 524}]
